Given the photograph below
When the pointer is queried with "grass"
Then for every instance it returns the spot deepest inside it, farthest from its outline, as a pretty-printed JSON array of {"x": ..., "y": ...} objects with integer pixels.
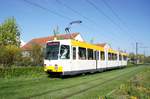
[
  {"x": 138, "y": 87},
  {"x": 82, "y": 87},
  {"x": 13, "y": 72}
]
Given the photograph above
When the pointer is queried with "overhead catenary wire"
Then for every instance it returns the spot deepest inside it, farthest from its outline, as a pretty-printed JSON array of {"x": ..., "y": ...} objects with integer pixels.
[
  {"x": 117, "y": 16},
  {"x": 102, "y": 12},
  {"x": 51, "y": 11},
  {"x": 91, "y": 2},
  {"x": 46, "y": 9},
  {"x": 80, "y": 14},
  {"x": 105, "y": 15},
  {"x": 112, "y": 10},
  {"x": 75, "y": 11}
]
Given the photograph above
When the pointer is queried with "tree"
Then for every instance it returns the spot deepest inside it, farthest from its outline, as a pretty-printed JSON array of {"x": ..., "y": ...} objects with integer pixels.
[
  {"x": 37, "y": 54},
  {"x": 9, "y": 33},
  {"x": 9, "y": 42},
  {"x": 147, "y": 59}
]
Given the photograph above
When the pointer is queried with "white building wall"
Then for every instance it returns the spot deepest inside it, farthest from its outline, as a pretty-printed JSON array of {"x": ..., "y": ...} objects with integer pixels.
[{"x": 79, "y": 38}]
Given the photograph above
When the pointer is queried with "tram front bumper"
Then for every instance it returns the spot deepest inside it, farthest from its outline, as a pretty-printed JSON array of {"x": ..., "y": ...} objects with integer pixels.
[{"x": 53, "y": 69}]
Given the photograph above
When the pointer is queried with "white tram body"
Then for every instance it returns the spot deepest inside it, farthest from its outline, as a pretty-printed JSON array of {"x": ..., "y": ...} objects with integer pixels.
[{"x": 69, "y": 57}]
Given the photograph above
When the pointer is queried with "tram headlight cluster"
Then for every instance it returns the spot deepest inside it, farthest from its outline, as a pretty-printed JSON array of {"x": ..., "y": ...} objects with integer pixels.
[{"x": 56, "y": 67}]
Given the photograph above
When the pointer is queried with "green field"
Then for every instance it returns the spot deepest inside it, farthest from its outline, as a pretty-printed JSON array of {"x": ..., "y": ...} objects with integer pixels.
[{"x": 92, "y": 86}]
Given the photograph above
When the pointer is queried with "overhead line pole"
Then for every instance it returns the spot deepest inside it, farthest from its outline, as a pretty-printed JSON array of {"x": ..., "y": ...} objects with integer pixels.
[{"x": 136, "y": 53}]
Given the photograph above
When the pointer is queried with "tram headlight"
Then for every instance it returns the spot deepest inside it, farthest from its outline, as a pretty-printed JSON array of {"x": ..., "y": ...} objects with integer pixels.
[{"x": 56, "y": 67}]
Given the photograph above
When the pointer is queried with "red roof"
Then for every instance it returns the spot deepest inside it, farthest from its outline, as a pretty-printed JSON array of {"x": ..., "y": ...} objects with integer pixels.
[{"x": 43, "y": 40}]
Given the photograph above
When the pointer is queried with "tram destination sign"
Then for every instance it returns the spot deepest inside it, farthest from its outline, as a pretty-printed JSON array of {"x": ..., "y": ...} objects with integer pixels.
[{"x": 52, "y": 43}]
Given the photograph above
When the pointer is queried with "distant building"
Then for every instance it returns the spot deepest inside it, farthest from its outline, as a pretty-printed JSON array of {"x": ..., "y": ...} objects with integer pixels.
[
  {"x": 22, "y": 43},
  {"x": 105, "y": 45},
  {"x": 42, "y": 41}
]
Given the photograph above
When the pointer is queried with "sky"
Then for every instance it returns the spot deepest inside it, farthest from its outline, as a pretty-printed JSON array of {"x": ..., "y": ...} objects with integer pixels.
[{"x": 120, "y": 23}]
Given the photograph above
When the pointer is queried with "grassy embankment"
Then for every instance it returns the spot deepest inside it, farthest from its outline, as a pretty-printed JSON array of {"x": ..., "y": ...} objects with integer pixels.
[{"x": 35, "y": 84}]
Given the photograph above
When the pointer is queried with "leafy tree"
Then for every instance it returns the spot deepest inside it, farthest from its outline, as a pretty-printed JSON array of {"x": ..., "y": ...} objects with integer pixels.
[
  {"x": 37, "y": 54},
  {"x": 9, "y": 33},
  {"x": 9, "y": 42},
  {"x": 147, "y": 59}
]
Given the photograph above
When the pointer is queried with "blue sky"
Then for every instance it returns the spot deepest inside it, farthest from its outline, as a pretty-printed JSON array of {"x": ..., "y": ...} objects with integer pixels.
[{"x": 133, "y": 24}]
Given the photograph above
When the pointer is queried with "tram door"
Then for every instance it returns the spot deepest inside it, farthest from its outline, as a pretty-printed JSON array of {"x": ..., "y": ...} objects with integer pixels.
[{"x": 74, "y": 57}]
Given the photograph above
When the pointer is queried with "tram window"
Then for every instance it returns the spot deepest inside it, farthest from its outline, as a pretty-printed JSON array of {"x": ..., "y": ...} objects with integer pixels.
[
  {"x": 112, "y": 56},
  {"x": 90, "y": 54},
  {"x": 125, "y": 58},
  {"x": 120, "y": 57},
  {"x": 82, "y": 53},
  {"x": 74, "y": 53},
  {"x": 65, "y": 52},
  {"x": 115, "y": 56},
  {"x": 102, "y": 55},
  {"x": 109, "y": 56}
]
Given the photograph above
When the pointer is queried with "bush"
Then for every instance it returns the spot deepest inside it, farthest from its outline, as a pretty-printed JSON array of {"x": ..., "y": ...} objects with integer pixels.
[
  {"x": 9, "y": 55},
  {"x": 24, "y": 61},
  {"x": 21, "y": 72}
]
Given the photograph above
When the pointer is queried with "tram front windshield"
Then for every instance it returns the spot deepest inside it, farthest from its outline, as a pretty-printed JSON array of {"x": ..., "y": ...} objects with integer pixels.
[{"x": 52, "y": 50}]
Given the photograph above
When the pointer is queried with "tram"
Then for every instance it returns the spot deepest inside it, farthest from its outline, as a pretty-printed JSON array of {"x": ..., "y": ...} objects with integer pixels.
[{"x": 70, "y": 57}]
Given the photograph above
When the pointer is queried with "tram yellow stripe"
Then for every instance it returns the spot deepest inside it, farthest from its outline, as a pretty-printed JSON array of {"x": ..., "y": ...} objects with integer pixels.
[
  {"x": 53, "y": 69},
  {"x": 86, "y": 45}
]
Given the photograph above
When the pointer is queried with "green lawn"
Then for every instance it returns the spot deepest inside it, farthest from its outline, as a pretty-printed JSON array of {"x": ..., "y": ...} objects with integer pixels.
[{"x": 85, "y": 86}]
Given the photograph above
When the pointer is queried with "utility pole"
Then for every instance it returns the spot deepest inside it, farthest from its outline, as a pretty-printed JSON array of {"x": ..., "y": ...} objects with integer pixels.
[{"x": 136, "y": 53}]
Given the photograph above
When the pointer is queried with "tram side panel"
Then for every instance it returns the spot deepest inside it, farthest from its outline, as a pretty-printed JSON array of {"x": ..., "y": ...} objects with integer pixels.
[{"x": 83, "y": 65}]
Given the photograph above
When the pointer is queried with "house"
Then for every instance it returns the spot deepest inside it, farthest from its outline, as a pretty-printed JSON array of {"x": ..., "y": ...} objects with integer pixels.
[{"x": 42, "y": 41}]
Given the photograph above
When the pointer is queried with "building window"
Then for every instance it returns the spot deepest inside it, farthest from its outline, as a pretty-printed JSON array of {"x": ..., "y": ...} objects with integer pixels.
[
  {"x": 90, "y": 54},
  {"x": 82, "y": 53},
  {"x": 102, "y": 55},
  {"x": 74, "y": 53}
]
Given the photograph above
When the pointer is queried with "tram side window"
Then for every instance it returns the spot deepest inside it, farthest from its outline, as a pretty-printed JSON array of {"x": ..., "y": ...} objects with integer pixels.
[
  {"x": 82, "y": 53},
  {"x": 94, "y": 57},
  {"x": 109, "y": 56},
  {"x": 65, "y": 52},
  {"x": 102, "y": 55},
  {"x": 90, "y": 54},
  {"x": 120, "y": 57},
  {"x": 115, "y": 56},
  {"x": 124, "y": 58},
  {"x": 74, "y": 53}
]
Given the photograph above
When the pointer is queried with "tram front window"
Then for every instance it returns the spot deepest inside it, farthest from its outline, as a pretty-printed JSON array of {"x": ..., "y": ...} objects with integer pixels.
[
  {"x": 65, "y": 52},
  {"x": 52, "y": 51}
]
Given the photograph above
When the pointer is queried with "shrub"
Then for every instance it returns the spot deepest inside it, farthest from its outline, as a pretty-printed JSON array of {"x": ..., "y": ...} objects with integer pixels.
[{"x": 21, "y": 72}]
